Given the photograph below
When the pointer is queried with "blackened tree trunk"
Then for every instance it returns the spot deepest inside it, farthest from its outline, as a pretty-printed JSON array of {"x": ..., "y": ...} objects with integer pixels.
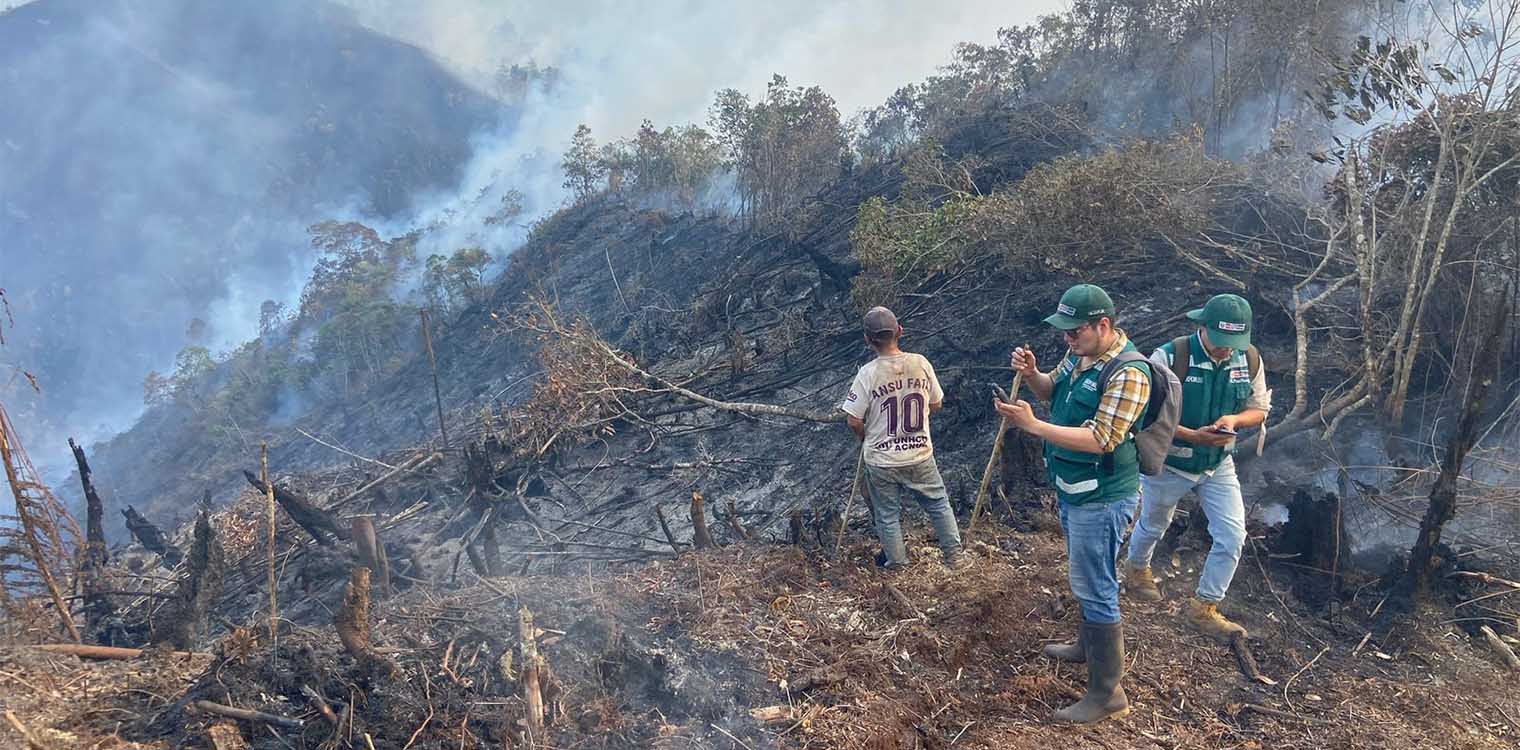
[
  {"x": 317, "y": 522},
  {"x": 207, "y": 566},
  {"x": 151, "y": 538},
  {"x": 92, "y": 567},
  {"x": 1486, "y": 356}
]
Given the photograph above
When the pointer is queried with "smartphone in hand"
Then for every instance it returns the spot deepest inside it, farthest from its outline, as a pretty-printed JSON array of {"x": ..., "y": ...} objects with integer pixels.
[{"x": 1223, "y": 430}]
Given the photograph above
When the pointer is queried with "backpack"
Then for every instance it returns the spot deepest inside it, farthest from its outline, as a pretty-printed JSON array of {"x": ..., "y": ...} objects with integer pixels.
[{"x": 1153, "y": 436}]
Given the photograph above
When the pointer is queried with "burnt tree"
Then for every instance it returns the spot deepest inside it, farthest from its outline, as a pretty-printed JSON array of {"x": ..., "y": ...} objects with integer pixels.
[
  {"x": 151, "y": 537},
  {"x": 1486, "y": 356},
  {"x": 207, "y": 566},
  {"x": 94, "y": 555},
  {"x": 315, "y": 521}
]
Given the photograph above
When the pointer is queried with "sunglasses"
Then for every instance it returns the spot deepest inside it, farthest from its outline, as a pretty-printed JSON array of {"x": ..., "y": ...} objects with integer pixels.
[{"x": 1075, "y": 332}]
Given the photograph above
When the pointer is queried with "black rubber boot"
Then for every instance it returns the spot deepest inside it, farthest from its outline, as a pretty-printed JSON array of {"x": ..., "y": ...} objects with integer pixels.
[
  {"x": 1105, "y": 697},
  {"x": 1072, "y": 652}
]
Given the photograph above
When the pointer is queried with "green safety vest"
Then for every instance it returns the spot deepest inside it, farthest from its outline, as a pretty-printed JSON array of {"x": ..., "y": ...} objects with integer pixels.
[
  {"x": 1082, "y": 478},
  {"x": 1209, "y": 392}
]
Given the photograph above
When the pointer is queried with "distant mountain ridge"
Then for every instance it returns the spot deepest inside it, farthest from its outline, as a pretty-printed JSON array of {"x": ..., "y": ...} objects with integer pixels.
[{"x": 160, "y": 160}]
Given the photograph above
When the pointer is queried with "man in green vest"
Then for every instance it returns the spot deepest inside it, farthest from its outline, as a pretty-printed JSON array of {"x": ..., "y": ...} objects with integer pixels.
[
  {"x": 1223, "y": 392},
  {"x": 1091, "y": 457}
]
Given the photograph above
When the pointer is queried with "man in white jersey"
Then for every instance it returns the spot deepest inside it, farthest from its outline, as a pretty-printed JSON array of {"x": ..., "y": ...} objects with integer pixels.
[{"x": 888, "y": 408}]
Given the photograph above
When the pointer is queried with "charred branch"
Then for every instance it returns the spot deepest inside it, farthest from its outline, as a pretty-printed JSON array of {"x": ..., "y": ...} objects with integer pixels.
[
  {"x": 151, "y": 537},
  {"x": 315, "y": 521}
]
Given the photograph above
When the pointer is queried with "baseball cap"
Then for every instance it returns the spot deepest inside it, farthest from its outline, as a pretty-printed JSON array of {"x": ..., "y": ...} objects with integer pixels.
[
  {"x": 880, "y": 320},
  {"x": 1081, "y": 304},
  {"x": 1227, "y": 318}
]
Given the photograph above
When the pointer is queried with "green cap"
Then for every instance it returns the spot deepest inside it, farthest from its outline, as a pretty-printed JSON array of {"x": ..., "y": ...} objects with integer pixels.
[
  {"x": 1081, "y": 304},
  {"x": 1227, "y": 318}
]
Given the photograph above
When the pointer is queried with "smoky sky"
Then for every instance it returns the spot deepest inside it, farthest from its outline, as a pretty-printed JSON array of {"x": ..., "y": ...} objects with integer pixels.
[{"x": 160, "y": 159}]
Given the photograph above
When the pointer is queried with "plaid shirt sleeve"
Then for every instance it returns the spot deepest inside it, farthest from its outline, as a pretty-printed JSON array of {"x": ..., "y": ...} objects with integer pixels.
[{"x": 1123, "y": 401}]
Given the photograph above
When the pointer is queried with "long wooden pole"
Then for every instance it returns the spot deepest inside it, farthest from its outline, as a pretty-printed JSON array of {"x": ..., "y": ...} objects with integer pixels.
[
  {"x": 427, "y": 340},
  {"x": 844, "y": 521},
  {"x": 274, "y": 610},
  {"x": 997, "y": 450}
]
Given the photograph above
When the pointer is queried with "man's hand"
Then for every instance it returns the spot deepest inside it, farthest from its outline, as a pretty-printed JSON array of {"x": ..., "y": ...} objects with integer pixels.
[
  {"x": 1205, "y": 437},
  {"x": 1019, "y": 413},
  {"x": 1023, "y": 361},
  {"x": 1230, "y": 422}
]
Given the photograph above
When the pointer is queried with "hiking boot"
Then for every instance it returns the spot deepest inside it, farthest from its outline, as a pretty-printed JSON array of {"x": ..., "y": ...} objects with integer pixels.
[
  {"x": 886, "y": 566},
  {"x": 1140, "y": 584},
  {"x": 1204, "y": 615},
  {"x": 958, "y": 561},
  {"x": 1105, "y": 698},
  {"x": 1075, "y": 651}
]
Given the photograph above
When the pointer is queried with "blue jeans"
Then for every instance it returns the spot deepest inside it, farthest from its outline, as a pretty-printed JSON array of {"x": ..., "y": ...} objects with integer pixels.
[
  {"x": 1219, "y": 496},
  {"x": 1093, "y": 534},
  {"x": 922, "y": 481}
]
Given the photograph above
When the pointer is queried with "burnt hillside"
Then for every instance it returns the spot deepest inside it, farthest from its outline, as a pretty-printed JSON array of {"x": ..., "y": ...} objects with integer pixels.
[{"x": 736, "y": 314}]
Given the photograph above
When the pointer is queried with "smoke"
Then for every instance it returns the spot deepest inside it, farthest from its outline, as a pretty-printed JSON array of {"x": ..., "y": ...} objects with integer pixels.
[
  {"x": 621, "y": 63},
  {"x": 170, "y": 154}
]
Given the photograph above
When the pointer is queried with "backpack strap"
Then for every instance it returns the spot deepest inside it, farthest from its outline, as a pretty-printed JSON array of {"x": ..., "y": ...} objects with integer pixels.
[
  {"x": 1182, "y": 355},
  {"x": 1122, "y": 359},
  {"x": 1253, "y": 361}
]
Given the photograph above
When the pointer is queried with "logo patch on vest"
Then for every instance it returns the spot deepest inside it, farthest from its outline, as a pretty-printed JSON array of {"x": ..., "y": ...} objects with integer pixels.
[
  {"x": 1225, "y": 325},
  {"x": 1090, "y": 385},
  {"x": 1194, "y": 379},
  {"x": 1240, "y": 376}
]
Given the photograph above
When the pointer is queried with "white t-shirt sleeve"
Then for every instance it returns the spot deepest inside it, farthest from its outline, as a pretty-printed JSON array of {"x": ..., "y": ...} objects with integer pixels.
[
  {"x": 858, "y": 401},
  {"x": 936, "y": 394},
  {"x": 1261, "y": 398}
]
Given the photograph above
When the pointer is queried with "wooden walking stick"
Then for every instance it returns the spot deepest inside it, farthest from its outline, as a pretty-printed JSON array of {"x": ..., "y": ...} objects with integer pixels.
[
  {"x": 844, "y": 521},
  {"x": 997, "y": 449}
]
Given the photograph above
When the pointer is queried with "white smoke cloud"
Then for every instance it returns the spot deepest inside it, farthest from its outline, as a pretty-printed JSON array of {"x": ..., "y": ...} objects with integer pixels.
[{"x": 620, "y": 63}]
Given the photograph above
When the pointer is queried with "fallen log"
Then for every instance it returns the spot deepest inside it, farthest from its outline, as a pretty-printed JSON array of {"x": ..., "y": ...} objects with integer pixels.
[
  {"x": 1500, "y": 647},
  {"x": 247, "y": 714},
  {"x": 117, "y": 653},
  {"x": 315, "y": 521}
]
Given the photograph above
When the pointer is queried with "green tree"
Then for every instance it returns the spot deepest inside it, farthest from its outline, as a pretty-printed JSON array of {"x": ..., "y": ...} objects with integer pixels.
[
  {"x": 781, "y": 149},
  {"x": 584, "y": 172}
]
